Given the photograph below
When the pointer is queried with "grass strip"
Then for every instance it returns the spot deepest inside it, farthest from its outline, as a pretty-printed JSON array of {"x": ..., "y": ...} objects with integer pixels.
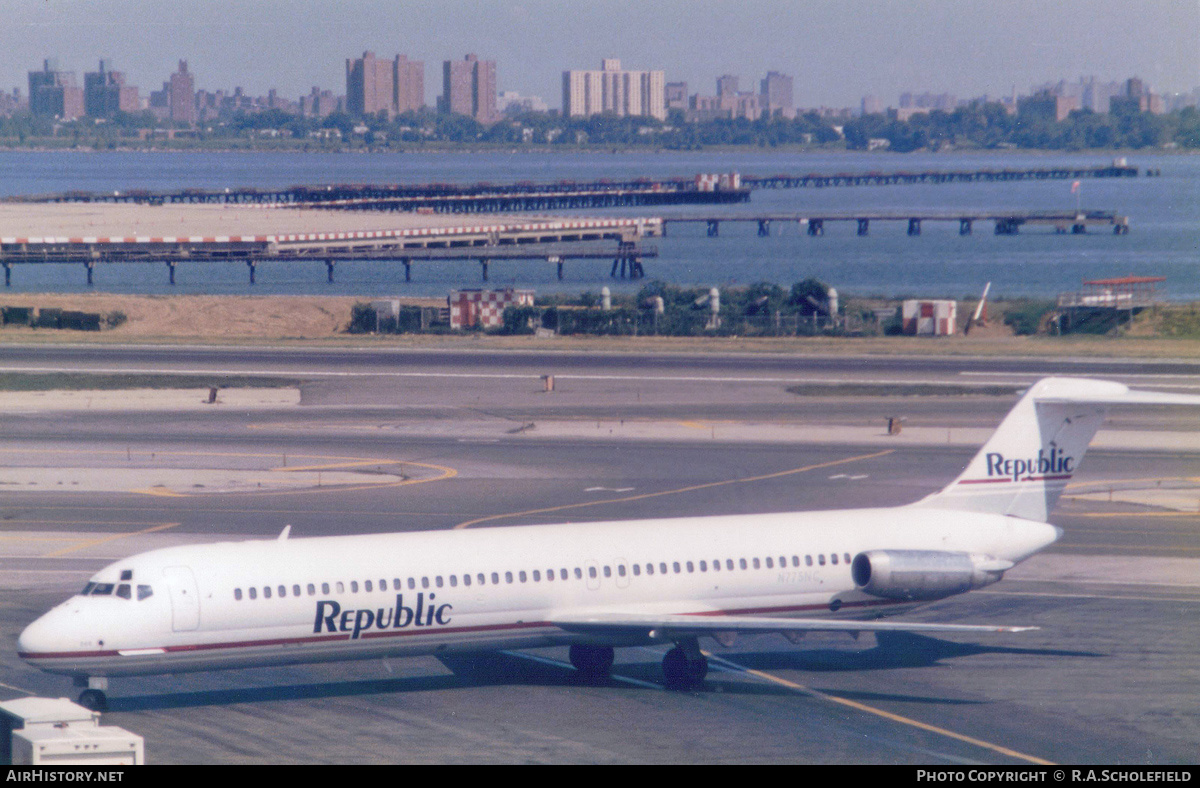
[
  {"x": 901, "y": 390},
  {"x": 83, "y": 381}
]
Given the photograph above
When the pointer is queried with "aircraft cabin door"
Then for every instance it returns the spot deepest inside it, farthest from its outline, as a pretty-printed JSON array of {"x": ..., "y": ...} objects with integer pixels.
[{"x": 185, "y": 600}]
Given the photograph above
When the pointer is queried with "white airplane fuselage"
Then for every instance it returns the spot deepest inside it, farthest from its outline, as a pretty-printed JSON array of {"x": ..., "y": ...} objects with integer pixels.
[{"x": 355, "y": 597}]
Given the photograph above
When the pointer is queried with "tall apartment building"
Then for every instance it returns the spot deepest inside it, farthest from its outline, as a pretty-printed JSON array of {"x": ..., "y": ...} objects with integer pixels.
[
  {"x": 393, "y": 86},
  {"x": 105, "y": 93},
  {"x": 776, "y": 92},
  {"x": 469, "y": 88},
  {"x": 181, "y": 95},
  {"x": 612, "y": 90},
  {"x": 54, "y": 93}
]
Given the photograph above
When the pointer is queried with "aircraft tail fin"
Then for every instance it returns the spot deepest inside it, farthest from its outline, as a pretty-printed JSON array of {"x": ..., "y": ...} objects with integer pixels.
[{"x": 1026, "y": 464}]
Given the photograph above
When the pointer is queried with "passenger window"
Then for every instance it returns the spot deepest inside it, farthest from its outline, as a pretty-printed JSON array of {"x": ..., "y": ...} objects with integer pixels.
[
  {"x": 620, "y": 570},
  {"x": 266, "y": 592},
  {"x": 703, "y": 566},
  {"x": 395, "y": 584},
  {"x": 324, "y": 588},
  {"x": 521, "y": 575},
  {"x": 592, "y": 572},
  {"x": 755, "y": 563},
  {"x": 649, "y": 569},
  {"x": 312, "y": 589},
  {"x": 481, "y": 578},
  {"x": 637, "y": 570},
  {"x": 454, "y": 581},
  {"x": 496, "y": 578},
  {"x": 808, "y": 560},
  {"x": 846, "y": 556},
  {"x": 424, "y": 582},
  {"x": 716, "y": 565},
  {"x": 562, "y": 574},
  {"x": 466, "y": 580},
  {"x": 508, "y": 577},
  {"x": 412, "y": 583},
  {"x": 354, "y": 586},
  {"x": 578, "y": 573},
  {"x": 742, "y": 563},
  {"x": 795, "y": 560},
  {"x": 437, "y": 581},
  {"x": 729, "y": 564},
  {"x": 690, "y": 567},
  {"x": 237, "y": 593},
  {"x": 145, "y": 592},
  {"x": 296, "y": 590},
  {"x": 383, "y": 584},
  {"x": 676, "y": 567},
  {"x": 833, "y": 558},
  {"x": 770, "y": 563},
  {"x": 367, "y": 585},
  {"x": 283, "y": 591},
  {"x": 607, "y": 571},
  {"x": 340, "y": 586},
  {"x": 821, "y": 559},
  {"x": 253, "y": 592},
  {"x": 549, "y": 574},
  {"x": 662, "y": 567},
  {"x": 537, "y": 576}
]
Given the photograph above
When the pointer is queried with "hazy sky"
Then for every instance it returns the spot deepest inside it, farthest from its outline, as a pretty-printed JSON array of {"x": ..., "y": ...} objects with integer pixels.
[{"x": 837, "y": 50}]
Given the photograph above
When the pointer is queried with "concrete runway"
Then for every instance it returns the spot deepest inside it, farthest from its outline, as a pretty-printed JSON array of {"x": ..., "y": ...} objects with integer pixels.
[{"x": 1107, "y": 679}]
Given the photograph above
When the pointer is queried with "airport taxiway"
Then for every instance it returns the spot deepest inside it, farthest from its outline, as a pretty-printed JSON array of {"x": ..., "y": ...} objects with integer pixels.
[{"x": 1105, "y": 680}]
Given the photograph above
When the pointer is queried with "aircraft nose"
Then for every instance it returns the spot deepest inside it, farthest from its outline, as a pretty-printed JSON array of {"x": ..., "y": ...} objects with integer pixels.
[{"x": 44, "y": 636}]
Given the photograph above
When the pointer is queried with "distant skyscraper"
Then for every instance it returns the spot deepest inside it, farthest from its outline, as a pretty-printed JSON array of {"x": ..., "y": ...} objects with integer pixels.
[
  {"x": 392, "y": 86},
  {"x": 182, "y": 95},
  {"x": 727, "y": 85},
  {"x": 776, "y": 92},
  {"x": 676, "y": 95},
  {"x": 469, "y": 88},
  {"x": 612, "y": 90},
  {"x": 105, "y": 93},
  {"x": 54, "y": 93}
]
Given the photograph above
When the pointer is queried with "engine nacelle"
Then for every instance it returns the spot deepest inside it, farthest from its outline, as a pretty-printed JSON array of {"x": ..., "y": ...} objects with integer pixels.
[{"x": 912, "y": 575}]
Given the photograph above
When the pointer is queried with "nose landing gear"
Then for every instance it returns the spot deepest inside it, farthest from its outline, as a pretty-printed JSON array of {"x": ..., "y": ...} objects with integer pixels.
[{"x": 93, "y": 697}]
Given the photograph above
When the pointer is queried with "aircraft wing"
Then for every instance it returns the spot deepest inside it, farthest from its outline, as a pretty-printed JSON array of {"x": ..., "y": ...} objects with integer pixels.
[{"x": 672, "y": 626}]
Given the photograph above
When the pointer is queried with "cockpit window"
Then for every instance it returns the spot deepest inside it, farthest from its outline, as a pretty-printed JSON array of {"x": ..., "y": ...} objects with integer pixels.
[
  {"x": 124, "y": 591},
  {"x": 102, "y": 589},
  {"x": 145, "y": 592},
  {"x": 87, "y": 589}
]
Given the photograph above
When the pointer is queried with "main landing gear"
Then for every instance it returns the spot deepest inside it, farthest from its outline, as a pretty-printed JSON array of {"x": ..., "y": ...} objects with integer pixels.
[
  {"x": 684, "y": 667},
  {"x": 93, "y": 697},
  {"x": 593, "y": 662}
]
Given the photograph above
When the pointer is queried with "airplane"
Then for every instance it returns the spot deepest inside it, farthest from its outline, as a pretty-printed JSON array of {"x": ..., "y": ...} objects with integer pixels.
[{"x": 589, "y": 586}]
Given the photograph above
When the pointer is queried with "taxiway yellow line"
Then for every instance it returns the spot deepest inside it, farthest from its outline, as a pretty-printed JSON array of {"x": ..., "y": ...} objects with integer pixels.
[
  {"x": 112, "y": 538},
  {"x": 880, "y": 712},
  {"x": 692, "y": 488}
]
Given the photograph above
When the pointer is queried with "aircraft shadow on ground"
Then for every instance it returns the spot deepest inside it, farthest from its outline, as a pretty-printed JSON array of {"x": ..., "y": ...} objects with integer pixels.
[{"x": 893, "y": 650}]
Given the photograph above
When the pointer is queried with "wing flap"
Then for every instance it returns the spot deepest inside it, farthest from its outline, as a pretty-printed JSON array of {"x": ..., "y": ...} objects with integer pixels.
[{"x": 671, "y": 626}]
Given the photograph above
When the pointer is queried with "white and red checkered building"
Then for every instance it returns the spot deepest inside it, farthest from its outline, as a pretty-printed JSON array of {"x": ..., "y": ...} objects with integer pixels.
[{"x": 484, "y": 308}]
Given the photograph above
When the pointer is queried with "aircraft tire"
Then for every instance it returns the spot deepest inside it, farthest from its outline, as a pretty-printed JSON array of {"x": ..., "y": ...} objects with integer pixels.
[
  {"x": 681, "y": 673},
  {"x": 94, "y": 700},
  {"x": 592, "y": 661}
]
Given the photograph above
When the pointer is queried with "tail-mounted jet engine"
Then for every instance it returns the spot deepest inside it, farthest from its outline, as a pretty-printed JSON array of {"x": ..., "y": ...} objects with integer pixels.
[{"x": 912, "y": 575}]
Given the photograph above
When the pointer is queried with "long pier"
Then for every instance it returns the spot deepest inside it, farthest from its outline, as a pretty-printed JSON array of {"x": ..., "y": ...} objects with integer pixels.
[
  {"x": 563, "y": 194},
  {"x": 552, "y": 240},
  {"x": 1004, "y": 222}
]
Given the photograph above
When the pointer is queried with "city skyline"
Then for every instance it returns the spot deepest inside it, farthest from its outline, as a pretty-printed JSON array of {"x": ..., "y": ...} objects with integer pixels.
[{"x": 836, "y": 52}]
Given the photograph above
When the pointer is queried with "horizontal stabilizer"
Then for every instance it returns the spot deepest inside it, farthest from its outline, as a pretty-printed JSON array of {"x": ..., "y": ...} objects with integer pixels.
[{"x": 675, "y": 626}]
